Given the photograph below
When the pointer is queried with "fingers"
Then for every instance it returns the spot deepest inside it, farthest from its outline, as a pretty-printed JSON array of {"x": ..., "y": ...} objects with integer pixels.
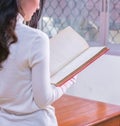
[{"x": 69, "y": 83}]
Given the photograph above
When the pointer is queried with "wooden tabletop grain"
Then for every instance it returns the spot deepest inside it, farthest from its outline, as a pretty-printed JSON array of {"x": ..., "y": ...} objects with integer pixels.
[{"x": 75, "y": 111}]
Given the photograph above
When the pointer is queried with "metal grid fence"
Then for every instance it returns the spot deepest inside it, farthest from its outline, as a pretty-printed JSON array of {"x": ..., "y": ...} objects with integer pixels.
[
  {"x": 82, "y": 15},
  {"x": 114, "y": 22}
]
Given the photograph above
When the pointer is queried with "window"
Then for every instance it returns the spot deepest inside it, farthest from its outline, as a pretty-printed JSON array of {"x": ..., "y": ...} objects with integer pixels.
[
  {"x": 113, "y": 40},
  {"x": 98, "y": 21}
]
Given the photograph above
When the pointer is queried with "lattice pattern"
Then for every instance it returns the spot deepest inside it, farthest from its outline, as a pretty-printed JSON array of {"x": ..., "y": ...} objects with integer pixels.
[
  {"x": 114, "y": 27},
  {"x": 82, "y": 15}
]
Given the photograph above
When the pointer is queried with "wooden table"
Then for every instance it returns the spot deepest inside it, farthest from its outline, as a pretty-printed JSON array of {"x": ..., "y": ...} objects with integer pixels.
[{"x": 75, "y": 111}]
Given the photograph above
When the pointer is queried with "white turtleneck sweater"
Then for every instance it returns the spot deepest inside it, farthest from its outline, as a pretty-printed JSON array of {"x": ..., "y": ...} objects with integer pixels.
[{"x": 26, "y": 94}]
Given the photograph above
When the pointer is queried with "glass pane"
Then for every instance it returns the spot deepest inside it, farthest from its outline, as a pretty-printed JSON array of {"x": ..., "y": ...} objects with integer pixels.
[
  {"x": 114, "y": 22},
  {"x": 82, "y": 15}
]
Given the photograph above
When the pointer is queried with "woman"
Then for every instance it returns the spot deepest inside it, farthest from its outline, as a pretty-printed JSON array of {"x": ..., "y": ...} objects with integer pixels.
[{"x": 26, "y": 94}]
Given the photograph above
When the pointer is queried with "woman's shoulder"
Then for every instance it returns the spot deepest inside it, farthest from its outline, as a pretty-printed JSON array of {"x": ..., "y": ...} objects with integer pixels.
[{"x": 30, "y": 32}]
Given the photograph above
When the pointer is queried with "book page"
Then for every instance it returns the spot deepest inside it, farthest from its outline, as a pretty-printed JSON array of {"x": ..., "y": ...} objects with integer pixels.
[
  {"x": 75, "y": 64},
  {"x": 65, "y": 47}
]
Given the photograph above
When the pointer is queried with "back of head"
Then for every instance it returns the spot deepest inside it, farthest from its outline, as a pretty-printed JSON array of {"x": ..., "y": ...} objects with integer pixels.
[
  {"x": 8, "y": 16},
  {"x": 9, "y": 10}
]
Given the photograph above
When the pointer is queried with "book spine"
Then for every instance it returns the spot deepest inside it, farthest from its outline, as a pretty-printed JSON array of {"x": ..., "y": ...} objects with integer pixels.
[{"x": 81, "y": 68}]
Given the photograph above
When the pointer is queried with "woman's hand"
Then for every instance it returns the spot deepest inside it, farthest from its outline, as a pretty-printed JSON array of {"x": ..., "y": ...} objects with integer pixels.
[{"x": 69, "y": 83}]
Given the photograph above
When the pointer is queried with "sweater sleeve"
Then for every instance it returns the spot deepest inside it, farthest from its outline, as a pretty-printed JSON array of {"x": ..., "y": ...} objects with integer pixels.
[{"x": 43, "y": 92}]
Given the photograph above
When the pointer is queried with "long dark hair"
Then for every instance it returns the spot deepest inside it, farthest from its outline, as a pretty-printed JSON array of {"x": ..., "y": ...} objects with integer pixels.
[{"x": 8, "y": 16}]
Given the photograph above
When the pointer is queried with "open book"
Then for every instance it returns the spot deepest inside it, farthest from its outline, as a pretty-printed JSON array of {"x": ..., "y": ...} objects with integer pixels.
[{"x": 70, "y": 54}]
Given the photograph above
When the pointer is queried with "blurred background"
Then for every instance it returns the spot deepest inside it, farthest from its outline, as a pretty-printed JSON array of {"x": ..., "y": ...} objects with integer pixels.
[{"x": 98, "y": 21}]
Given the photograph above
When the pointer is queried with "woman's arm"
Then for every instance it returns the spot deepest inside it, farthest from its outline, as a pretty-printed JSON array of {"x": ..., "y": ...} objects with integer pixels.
[{"x": 44, "y": 93}]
